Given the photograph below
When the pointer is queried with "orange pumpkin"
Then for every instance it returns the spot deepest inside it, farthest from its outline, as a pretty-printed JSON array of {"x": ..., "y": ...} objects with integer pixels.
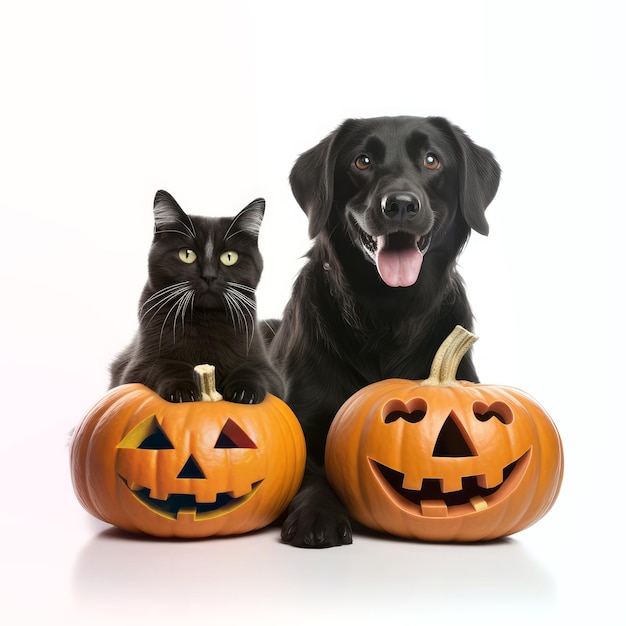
[
  {"x": 192, "y": 469},
  {"x": 444, "y": 460}
]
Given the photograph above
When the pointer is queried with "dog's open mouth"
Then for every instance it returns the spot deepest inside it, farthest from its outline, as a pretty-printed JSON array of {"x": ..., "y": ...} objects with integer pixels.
[{"x": 398, "y": 256}]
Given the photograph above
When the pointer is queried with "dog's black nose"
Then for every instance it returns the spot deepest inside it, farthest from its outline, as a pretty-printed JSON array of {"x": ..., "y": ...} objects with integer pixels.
[{"x": 400, "y": 206}]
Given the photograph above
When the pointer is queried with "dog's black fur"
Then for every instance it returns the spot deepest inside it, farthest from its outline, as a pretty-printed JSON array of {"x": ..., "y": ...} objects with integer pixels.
[{"x": 344, "y": 326}]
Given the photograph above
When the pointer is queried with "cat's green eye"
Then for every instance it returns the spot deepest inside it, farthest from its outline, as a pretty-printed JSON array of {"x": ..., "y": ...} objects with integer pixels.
[
  {"x": 187, "y": 255},
  {"x": 229, "y": 258}
]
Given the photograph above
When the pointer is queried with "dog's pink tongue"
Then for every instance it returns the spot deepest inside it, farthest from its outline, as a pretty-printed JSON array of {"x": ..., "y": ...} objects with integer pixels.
[{"x": 399, "y": 268}]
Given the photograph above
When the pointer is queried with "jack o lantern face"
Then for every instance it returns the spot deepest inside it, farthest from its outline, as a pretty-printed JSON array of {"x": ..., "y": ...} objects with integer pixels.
[
  {"x": 458, "y": 481},
  {"x": 463, "y": 462},
  {"x": 189, "y": 469},
  {"x": 192, "y": 496}
]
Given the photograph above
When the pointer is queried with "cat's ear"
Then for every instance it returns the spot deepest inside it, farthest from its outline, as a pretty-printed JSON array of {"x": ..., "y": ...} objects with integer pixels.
[
  {"x": 168, "y": 215},
  {"x": 248, "y": 220}
]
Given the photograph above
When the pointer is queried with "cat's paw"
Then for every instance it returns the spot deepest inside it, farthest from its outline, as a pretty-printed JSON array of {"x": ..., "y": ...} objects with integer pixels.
[
  {"x": 178, "y": 392},
  {"x": 241, "y": 394}
]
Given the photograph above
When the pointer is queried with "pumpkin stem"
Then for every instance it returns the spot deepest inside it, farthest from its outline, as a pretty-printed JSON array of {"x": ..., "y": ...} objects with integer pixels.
[
  {"x": 448, "y": 358},
  {"x": 205, "y": 377}
]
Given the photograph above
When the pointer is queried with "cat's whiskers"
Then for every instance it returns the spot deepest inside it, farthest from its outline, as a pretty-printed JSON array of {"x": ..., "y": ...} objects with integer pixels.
[
  {"x": 178, "y": 297},
  {"x": 241, "y": 308},
  {"x": 178, "y": 307},
  {"x": 181, "y": 309},
  {"x": 163, "y": 297},
  {"x": 244, "y": 288}
]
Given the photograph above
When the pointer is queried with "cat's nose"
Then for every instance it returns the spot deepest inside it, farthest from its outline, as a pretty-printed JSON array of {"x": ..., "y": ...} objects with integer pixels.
[{"x": 209, "y": 274}]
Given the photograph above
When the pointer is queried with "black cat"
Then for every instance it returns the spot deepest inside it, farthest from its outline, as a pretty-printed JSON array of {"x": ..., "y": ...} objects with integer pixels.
[{"x": 198, "y": 306}]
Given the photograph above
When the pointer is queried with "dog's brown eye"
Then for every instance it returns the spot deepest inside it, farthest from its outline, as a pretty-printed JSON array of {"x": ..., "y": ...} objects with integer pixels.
[
  {"x": 362, "y": 162},
  {"x": 431, "y": 162}
]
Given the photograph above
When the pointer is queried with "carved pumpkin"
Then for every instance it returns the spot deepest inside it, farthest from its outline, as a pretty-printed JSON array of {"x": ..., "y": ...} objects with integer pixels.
[
  {"x": 444, "y": 460},
  {"x": 191, "y": 469}
]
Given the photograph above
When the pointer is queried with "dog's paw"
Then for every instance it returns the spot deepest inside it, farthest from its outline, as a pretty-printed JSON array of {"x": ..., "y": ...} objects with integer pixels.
[{"x": 308, "y": 528}]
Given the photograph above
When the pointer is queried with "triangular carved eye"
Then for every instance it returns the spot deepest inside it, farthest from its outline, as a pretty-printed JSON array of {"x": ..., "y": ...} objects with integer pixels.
[
  {"x": 158, "y": 440},
  {"x": 232, "y": 436},
  {"x": 147, "y": 435}
]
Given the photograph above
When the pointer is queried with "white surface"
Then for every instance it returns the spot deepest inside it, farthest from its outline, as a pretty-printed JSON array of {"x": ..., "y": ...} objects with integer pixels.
[{"x": 104, "y": 103}]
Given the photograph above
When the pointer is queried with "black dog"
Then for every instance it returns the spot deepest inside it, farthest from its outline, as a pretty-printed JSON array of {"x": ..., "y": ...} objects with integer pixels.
[{"x": 390, "y": 202}]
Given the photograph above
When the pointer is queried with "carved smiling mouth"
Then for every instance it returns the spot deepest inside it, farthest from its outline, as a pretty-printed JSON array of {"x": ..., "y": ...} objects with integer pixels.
[
  {"x": 431, "y": 501},
  {"x": 180, "y": 505}
]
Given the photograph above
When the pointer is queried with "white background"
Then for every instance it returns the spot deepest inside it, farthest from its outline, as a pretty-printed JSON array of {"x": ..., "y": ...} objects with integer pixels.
[{"x": 103, "y": 103}]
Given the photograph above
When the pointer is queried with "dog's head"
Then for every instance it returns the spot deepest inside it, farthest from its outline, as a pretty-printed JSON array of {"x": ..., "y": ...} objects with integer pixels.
[{"x": 399, "y": 186}]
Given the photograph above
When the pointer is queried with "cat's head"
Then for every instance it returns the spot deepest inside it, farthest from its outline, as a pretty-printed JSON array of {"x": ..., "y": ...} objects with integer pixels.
[{"x": 212, "y": 256}]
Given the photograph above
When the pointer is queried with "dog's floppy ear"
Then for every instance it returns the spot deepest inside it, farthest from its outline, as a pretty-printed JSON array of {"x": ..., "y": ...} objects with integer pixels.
[
  {"x": 312, "y": 182},
  {"x": 479, "y": 178}
]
